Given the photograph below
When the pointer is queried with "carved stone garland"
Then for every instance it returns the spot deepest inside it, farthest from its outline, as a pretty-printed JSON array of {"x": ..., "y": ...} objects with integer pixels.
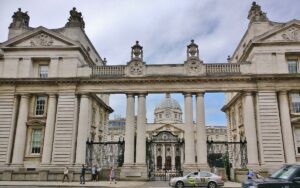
[{"x": 136, "y": 68}]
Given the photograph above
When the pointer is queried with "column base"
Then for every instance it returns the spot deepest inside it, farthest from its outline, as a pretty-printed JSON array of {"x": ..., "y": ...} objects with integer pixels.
[
  {"x": 203, "y": 167},
  {"x": 135, "y": 172},
  {"x": 188, "y": 168}
]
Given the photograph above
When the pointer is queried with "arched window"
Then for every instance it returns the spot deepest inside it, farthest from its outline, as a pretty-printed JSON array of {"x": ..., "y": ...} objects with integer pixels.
[{"x": 159, "y": 162}]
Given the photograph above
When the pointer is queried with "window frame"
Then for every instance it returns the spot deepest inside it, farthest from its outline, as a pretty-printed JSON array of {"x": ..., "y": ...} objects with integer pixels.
[
  {"x": 292, "y": 109},
  {"x": 31, "y": 125},
  {"x": 295, "y": 59},
  {"x": 40, "y": 70},
  {"x": 36, "y": 105}
]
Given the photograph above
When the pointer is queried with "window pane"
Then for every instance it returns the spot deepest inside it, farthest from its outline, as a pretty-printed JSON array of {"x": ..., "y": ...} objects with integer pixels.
[
  {"x": 295, "y": 97},
  {"x": 43, "y": 71},
  {"x": 36, "y": 141},
  {"x": 292, "y": 66},
  {"x": 297, "y": 139},
  {"x": 40, "y": 105}
]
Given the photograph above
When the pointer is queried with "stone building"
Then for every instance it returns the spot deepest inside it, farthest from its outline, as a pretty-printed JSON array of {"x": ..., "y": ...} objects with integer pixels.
[
  {"x": 267, "y": 116},
  {"x": 167, "y": 118},
  {"x": 54, "y": 90}
]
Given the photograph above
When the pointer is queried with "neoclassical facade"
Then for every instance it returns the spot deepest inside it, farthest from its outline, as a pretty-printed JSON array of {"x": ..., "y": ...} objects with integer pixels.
[
  {"x": 267, "y": 116},
  {"x": 54, "y": 90},
  {"x": 167, "y": 121}
]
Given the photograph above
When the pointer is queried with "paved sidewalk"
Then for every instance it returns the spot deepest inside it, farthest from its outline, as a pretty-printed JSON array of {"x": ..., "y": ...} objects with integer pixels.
[{"x": 102, "y": 184}]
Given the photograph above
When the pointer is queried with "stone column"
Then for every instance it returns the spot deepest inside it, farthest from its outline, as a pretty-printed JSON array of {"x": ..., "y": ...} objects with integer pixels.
[
  {"x": 250, "y": 130},
  {"x": 129, "y": 131},
  {"x": 141, "y": 131},
  {"x": 201, "y": 132},
  {"x": 20, "y": 137},
  {"x": 155, "y": 157},
  {"x": 189, "y": 131},
  {"x": 49, "y": 132},
  {"x": 173, "y": 156},
  {"x": 163, "y": 155},
  {"x": 286, "y": 128},
  {"x": 83, "y": 124}
]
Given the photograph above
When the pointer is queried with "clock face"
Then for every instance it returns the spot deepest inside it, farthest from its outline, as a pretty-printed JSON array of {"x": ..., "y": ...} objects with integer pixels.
[{"x": 168, "y": 114}]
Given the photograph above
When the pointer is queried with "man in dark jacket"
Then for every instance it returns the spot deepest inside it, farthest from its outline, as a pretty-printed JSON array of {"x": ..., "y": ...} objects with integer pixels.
[{"x": 82, "y": 175}]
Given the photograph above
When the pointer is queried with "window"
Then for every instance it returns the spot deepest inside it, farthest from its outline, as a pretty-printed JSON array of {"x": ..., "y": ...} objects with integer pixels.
[
  {"x": 297, "y": 140},
  {"x": 36, "y": 138},
  {"x": 43, "y": 71},
  {"x": 295, "y": 99},
  {"x": 293, "y": 66},
  {"x": 40, "y": 105}
]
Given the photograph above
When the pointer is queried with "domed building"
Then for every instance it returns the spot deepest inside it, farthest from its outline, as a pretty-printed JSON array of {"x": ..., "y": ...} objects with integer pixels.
[{"x": 168, "y": 111}]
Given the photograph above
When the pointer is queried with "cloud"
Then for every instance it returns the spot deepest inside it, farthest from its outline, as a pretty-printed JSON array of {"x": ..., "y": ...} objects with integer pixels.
[{"x": 164, "y": 29}]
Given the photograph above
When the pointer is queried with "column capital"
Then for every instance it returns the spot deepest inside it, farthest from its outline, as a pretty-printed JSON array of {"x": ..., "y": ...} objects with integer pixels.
[
  {"x": 130, "y": 94},
  {"x": 283, "y": 92},
  {"x": 142, "y": 94},
  {"x": 52, "y": 95},
  {"x": 187, "y": 94},
  {"x": 84, "y": 95},
  {"x": 248, "y": 93},
  {"x": 24, "y": 95},
  {"x": 200, "y": 94}
]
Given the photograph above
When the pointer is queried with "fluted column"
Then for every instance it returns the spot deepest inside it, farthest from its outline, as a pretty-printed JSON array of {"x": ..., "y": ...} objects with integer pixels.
[
  {"x": 250, "y": 130},
  {"x": 188, "y": 130},
  {"x": 83, "y": 124},
  {"x": 20, "y": 138},
  {"x": 286, "y": 128},
  {"x": 49, "y": 131},
  {"x": 129, "y": 131},
  {"x": 141, "y": 130},
  {"x": 201, "y": 131}
]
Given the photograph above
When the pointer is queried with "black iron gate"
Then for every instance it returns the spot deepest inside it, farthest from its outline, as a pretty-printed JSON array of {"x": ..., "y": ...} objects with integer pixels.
[
  {"x": 160, "y": 165},
  {"x": 227, "y": 154},
  {"x": 105, "y": 154}
]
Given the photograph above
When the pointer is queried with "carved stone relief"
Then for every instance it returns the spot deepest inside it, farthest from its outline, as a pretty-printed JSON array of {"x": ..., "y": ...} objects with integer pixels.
[
  {"x": 193, "y": 67},
  {"x": 291, "y": 34},
  {"x": 136, "y": 68},
  {"x": 41, "y": 40}
]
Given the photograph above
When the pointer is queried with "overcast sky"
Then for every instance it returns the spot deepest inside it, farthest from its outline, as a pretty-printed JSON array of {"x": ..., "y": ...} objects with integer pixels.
[{"x": 163, "y": 27}]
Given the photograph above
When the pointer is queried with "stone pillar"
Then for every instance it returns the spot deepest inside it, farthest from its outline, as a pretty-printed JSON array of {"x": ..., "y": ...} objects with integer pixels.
[
  {"x": 188, "y": 131},
  {"x": 49, "y": 132},
  {"x": 129, "y": 131},
  {"x": 250, "y": 130},
  {"x": 201, "y": 132},
  {"x": 163, "y": 155},
  {"x": 20, "y": 137},
  {"x": 181, "y": 156},
  {"x": 286, "y": 128},
  {"x": 173, "y": 156},
  {"x": 141, "y": 131},
  {"x": 155, "y": 157},
  {"x": 82, "y": 129}
]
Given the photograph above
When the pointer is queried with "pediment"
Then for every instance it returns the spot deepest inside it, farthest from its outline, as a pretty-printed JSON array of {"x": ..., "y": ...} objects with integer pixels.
[
  {"x": 40, "y": 37},
  {"x": 287, "y": 33},
  {"x": 168, "y": 127}
]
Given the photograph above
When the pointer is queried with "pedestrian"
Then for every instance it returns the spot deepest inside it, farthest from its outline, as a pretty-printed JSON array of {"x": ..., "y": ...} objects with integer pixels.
[
  {"x": 94, "y": 173},
  {"x": 66, "y": 174},
  {"x": 82, "y": 175},
  {"x": 250, "y": 174},
  {"x": 98, "y": 172},
  {"x": 112, "y": 175}
]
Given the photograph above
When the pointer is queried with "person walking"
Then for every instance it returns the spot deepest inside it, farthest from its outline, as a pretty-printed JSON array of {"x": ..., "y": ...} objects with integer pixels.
[
  {"x": 112, "y": 175},
  {"x": 98, "y": 172},
  {"x": 66, "y": 174},
  {"x": 94, "y": 170},
  {"x": 82, "y": 175},
  {"x": 250, "y": 174}
]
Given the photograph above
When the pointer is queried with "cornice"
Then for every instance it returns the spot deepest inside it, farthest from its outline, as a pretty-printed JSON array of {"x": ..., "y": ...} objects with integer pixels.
[{"x": 150, "y": 79}]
